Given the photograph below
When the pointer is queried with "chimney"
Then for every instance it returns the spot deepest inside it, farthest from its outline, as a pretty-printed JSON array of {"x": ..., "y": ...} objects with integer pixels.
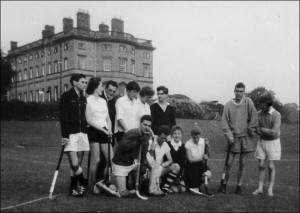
[
  {"x": 83, "y": 20},
  {"x": 67, "y": 24},
  {"x": 117, "y": 25},
  {"x": 48, "y": 31},
  {"x": 103, "y": 28},
  {"x": 13, "y": 45}
]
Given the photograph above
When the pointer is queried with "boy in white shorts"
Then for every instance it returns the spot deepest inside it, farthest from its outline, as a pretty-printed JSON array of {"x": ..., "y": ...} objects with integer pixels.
[
  {"x": 268, "y": 147},
  {"x": 74, "y": 131}
]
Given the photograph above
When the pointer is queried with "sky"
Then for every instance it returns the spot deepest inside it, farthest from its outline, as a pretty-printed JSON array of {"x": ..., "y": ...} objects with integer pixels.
[{"x": 203, "y": 48}]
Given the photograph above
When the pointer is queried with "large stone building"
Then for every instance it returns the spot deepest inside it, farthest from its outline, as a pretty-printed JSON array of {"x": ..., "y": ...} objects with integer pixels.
[{"x": 44, "y": 67}]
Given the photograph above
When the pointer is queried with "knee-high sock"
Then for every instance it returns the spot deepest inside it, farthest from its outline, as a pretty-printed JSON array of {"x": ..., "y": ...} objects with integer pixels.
[{"x": 170, "y": 178}]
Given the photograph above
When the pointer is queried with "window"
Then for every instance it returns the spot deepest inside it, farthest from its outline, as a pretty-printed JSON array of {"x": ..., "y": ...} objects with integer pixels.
[
  {"x": 43, "y": 95},
  {"x": 43, "y": 69},
  {"x": 107, "y": 64},
  {"x": 49, "y": 51},
  {"x": 55, "y": 49},
  {"x": 30, "y": 57},
  {"x": 49, "y": 68},
  {"x": 25, "y": 59},
  {"x": 37, "y": 71},
  {"x": 146, "y": 55},
  {"x": 146, "y": 70},
  {"x": 49, "y": 94},
  {"x": 42, "y": 54},
  {"x": 19, "y": 60},
  {"x": 20, "y": 96},
  {"x": 122, "y": 48},
  {"x": 55, "y": 67},
  {"x": 81, "y": 62},
  {"x": 81, "y": 46},
  {"x": 30, "y": 96},
  {"x": 122, "y": 64},
  {"x": 25, "y": 74},
  {"x": 132, "y": 66},
  {"x": 25, "y": 97},
  {"x": 65, "y": 63},
  {"x": 30, "y": 73},
  {"x": 12, "y": 79},
  {"x": 66, "y": 86},
  {"x": 20, "y": 75},
  {"x": 37, "y": 95},
  {"x": 106, "y": 47},
  {"x": 66, "y": 46},
  {"x": 36, "y": 55},
  {"x": 55, "y": 93},
  {"x": 133, "y": 51}
]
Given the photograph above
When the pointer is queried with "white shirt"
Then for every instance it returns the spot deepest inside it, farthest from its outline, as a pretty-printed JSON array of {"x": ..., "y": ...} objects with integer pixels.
[
  {"x": 175, "y": 145},
  {"x": 196, "y": 150},
  {"x": 160, "y": 151},
  {"x": 143, "y": 109},
  {"x": 98, "y": 109},
  {"x": 126, "y": 110}
]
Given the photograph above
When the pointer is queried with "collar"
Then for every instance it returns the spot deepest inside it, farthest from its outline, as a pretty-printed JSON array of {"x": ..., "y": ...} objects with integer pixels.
[
  {"x": 174, "y": 144},
  {"x": 271, "y": 110},
  {"x": 234, "y": 102}
]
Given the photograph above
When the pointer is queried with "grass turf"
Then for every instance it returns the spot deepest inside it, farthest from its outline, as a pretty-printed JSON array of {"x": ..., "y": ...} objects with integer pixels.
[{"x": 30, "y": 150}]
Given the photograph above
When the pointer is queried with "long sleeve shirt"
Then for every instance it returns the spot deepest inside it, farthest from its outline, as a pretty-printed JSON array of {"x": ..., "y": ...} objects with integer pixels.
[
  {"x": 239, "y": 119},
  {"x": 128, "y": 148},
  {"x": 271, "y": 121},
  {"x": 161, "y": 117}
]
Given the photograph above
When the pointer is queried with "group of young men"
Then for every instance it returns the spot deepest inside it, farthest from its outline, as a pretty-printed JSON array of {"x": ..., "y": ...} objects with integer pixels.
[{"x": 146, "y": 137}]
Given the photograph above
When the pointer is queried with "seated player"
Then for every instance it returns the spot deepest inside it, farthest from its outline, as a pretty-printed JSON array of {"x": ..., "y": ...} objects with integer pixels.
[
  {"x": 196, "y": 170},
  {"x": 158, "y": 149}
]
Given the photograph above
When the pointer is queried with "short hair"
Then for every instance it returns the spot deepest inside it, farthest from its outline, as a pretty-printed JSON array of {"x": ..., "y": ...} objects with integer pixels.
[
  {"x": 163, "y": 88},
  {"x": 76, "y": 77},
  {"x": 132, "y": 85},
  {"x": 266, "y": 98},
  {"x": 146, "y": 91},
  {"x": 164, "y": 129},
  {"x": 147, "y": 118},
  {"x": 113, "y": 83},
  {"x": 240, "y": 85},
  {"x": 175, "y": 128},
  {"x": 196, "y": 131},
  {"x": 92, "y": 85}
]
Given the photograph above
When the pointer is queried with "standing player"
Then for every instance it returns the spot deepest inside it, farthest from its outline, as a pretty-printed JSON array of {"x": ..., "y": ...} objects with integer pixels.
[
  {"x": 268, "y": 147},
  {"x": 239, "y": 121},
  {"x": 99, "y": 130},
  {"x": 144, "y": 99},
  {"x": 161, "y": 112},
  {"x": 74, "y": 131}
]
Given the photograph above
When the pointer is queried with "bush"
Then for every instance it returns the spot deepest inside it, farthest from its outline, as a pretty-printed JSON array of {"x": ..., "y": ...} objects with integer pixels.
[{"x": 20, "y": 110}]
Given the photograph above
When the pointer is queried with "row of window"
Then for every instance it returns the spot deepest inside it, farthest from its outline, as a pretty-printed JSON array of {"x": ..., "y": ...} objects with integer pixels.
[
  {"x": 123, "y": 48},
  {"x": 41, "y": 54},
  {"x": 41, "y": 95},
  {"x": 40, "y": 72}
]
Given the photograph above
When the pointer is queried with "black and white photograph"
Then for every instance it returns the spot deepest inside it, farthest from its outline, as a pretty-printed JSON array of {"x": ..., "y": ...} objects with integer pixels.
[{"x": 149, "y": 106}]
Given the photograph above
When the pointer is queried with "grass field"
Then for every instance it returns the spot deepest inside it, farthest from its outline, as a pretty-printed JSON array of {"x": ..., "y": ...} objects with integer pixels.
[{"x": 30, "y": 150}]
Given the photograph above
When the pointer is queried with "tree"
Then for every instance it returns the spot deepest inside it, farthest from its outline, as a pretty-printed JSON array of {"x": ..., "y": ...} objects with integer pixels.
[{"x": 7, "y": 73}]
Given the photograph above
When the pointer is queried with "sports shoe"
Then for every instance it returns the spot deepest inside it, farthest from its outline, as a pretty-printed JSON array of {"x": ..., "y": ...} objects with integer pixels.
[
  {"x": 96, "y": 190},
  {"x": 270, "y": 193},
  {"x": 127, "y": 193},
  {"x": 207, "y": 192},
  {"x": 167, "y": 190},
  {"x": 76, "y": 193},
  {"x": 238, "y": 190},
  {"x": 257, "y": 192}
]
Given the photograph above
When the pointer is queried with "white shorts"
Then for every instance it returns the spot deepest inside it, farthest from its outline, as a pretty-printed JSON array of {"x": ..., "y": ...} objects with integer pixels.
[
  {"x": 77, "y": 142},
  {"x": 268, "y": 149},
  {"x": 123, "y": 171}
]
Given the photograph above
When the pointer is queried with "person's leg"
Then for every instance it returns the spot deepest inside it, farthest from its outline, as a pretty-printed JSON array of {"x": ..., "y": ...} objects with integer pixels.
[
  {"x": 171, "y": 173},
  {"x": 95, "y": 159},
  {"x": 75, "y": 172},
  {"x": 227, "y": 171},
  {"x": 271, "y": 168},
  {"x": 241, "y": 171},
  {"x": 104, "y": 149},
  {"x": 261, "y": 176}
]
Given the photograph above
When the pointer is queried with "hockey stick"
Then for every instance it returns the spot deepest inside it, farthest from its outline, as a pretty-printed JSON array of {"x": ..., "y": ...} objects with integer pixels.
[
  {"x": 138, "y": 176},
  {"x": 56, "y": 172},
  {"x": 225, "y": 166},
  {"x": 109, "y": 160},
  {"x": 109, "y": 190},
  {"x": 88, "y": 168}
]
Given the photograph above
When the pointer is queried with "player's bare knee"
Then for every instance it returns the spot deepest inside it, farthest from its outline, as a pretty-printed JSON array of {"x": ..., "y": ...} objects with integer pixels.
[{"x": 175, "y": 168}]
